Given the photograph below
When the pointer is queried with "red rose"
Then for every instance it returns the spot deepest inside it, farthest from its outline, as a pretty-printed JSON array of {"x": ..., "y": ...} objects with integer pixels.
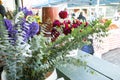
[
  {"x": 56, "y": 23},
  {"x": 63, "y": 14}
]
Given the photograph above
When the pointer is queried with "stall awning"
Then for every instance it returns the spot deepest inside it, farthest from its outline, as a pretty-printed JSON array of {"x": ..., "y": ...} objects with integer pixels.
[{"x": 73, "y": 3}]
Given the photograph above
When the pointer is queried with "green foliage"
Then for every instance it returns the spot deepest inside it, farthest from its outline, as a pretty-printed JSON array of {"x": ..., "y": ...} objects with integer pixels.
[
  {"x": 7, "y": 52},
  {"x": 38, "y": 64},
  {"x": 11, "y": 55},
  {"x": 46, "y": 55}
]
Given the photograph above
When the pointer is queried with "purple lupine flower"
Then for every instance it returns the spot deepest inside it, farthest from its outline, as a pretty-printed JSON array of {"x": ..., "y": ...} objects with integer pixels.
[
  {"x": 34, "y": 28},
  {"x": 11, "y": 31},
  {"x": 26, "y": 30},
  {"x": 12, "y": 35},
  {"x": 25, "y": 26},
  {"x": 8, "y": 24},
  {"x": 26, "y": 37},
  {"x": 23, "y": 20},
  {"x": 29, "y": 29},
  {"x": 26, "y": 11},
  {"x": 29, "y": 13}
]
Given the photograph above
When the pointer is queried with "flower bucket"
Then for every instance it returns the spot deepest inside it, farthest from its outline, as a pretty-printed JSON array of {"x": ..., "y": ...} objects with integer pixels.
[
  {"x": 3, "y": 75},
  {"x": 53, "y": 76}
]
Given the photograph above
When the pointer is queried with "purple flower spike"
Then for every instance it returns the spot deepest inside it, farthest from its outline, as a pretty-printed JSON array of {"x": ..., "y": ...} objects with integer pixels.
[
  {"x": 34, "y": 28},
  {"x": 8, "y": 24},
  {"x": 29, "y": 13},
  {"x": 11, "y": 31},
  {"x": 26, "y": 11}
]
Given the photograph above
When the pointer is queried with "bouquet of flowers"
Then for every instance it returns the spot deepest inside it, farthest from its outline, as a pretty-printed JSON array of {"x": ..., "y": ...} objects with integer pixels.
[{"x": 30, "y": 56}]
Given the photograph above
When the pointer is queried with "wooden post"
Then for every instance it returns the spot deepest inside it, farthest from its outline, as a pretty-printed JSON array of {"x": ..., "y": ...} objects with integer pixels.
[
  {"x": 17, "y": 5},
  {"x": 49, "y": 14},
  {"x": 22, "y": 3},
  {"x": 0, "y": 2}
]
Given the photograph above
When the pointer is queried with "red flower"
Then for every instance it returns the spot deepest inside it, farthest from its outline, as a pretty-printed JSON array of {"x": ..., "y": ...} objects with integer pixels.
[
  {"x": 74, "y": 25},
  {"x": 66, "y": 24},
  {"x": 69, "y": 22},
  {"x": 61, "y": 23},
  {"x": 55, "y": 34},
  {"x": 53, "y": 39},
  {"x": 63, "y": 14},
  {"x": 56, "y": 23},
  {"x": 86, "y": 24},
  {"x": 53, "y": 31},
  {"x": 67, "y": 29},
  {"x": 78, "y": 22}
]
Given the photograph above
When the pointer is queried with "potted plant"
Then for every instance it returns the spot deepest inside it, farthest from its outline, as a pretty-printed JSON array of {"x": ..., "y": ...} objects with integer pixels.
[{"x": 28, "y": 56}]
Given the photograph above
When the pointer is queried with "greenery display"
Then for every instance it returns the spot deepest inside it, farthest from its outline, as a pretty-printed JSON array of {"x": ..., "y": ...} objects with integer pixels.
[{"x": 28, "y": 56}]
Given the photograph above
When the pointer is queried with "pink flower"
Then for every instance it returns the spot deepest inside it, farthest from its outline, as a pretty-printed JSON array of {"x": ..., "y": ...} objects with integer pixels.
[
  {"x": 56, "y": 23},
  {"x": 63, "y": 14}
]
